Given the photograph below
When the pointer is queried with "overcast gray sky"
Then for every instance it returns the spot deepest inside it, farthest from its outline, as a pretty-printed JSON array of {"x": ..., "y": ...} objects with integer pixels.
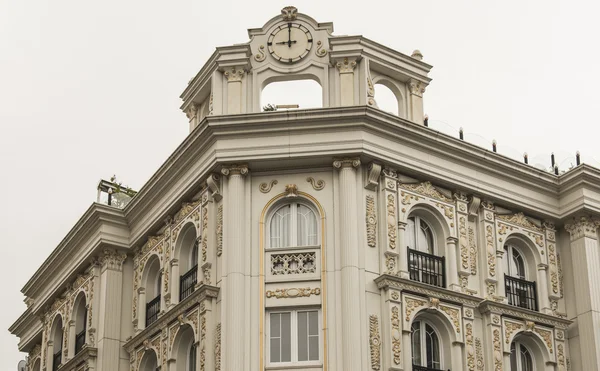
[{"x": 91, "y": 89}]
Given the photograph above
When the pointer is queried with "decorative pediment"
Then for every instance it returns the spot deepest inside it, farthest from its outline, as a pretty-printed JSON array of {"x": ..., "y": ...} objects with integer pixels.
[
  {"x": 186, "y": 209},
  {"x": 428, "y": 190},
  {"x": 519, "y": 219}
]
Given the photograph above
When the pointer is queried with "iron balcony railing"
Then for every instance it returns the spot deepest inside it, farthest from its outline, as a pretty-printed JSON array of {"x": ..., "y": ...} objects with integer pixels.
[
  {"x": 188, "y": 282},
  {"x": 152, "y": 310},
  {"x": 79, "y": 341},
  {"x": 423, "y": 368},
  {"x": 427, "y": 268},
  {"x": 521, "y": 293},
  {"x": 56, "y": 360}
]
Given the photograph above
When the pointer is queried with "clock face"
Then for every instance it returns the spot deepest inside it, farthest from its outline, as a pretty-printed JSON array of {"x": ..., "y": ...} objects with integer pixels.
[{"x": 290, "y": 42}]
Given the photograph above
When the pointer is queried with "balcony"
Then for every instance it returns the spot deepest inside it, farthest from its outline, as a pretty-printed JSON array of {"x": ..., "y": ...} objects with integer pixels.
[
  {"x": 426, "y": 268},
  {"x": 79, "y": 341},
  {"x": 152, "y": 310},
  {"x": 423, "y": 368},
  {"x": 56, "y": 360},
  {"x": 521, "y": 293},
  {"x": 187, "y": 283}
]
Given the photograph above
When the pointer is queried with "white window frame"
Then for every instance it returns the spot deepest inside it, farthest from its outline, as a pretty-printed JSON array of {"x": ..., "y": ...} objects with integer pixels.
[
  {"x": 509, "y": 256},
  {"x": 518, "y": 346},
  {"x": 417, "y": 222},
  {"x": 293, "y": 226},
  {"x": 423, "y": 342},
  {"x": 189, "y": 356},
  {"x": 294, "y": 337}
]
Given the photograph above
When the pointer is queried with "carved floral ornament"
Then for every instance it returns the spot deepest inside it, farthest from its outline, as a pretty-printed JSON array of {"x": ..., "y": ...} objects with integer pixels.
[
  {"x": 426, "y": 189},
  {"x": 290, "y": 13},
  {"x": 293, "y": 292},
  {"x": 234, "y": 74},
  {"x": 519, "y": 219},
  {"x": 413, "y": 305},
  {"x": 346, "y": 65},
  {"x": 417, "y": 87},
  {"x": 583, "y": 227},
  {"x": 374, "y": 342}
]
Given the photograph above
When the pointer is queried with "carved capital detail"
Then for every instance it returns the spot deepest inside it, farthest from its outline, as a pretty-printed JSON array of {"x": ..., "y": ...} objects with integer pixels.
[
  {"x": 191, "y": 111},
  {"x": 239, "y": 169},
  {"x": 346, "y": 66},
  {"x": 234, "y": 74},
  {"x": 346, "y": 162},
  {"x": 417, "y": 87},
  {"x": 112, "y": 259},
  {"x": 582, "y": 227}
]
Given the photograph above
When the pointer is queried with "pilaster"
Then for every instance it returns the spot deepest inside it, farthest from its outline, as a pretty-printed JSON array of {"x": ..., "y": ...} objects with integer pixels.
[
  {"x": 346, "y": 68},
  {"x": 234, "y": 301},
  {"x": 417, "y": 88},
  {"x": 349, "y": 263},
  {"x": 235, "y": 77}
]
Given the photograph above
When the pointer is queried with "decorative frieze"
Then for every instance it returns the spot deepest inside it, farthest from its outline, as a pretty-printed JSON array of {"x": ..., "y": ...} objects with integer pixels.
[
  {"x": 396, "y": 336},
  {"x": 479, "y": 355},
  {"x": 470, "y": 349},
  {"x": 426, "y": 189},
  {"x": 293, "y": 292},
  {"x": 582, "y": 227},
  {"x": 521, "y": 220},
  {"x": 293, "y": 263},
  {"x": 219, "y": 230}
]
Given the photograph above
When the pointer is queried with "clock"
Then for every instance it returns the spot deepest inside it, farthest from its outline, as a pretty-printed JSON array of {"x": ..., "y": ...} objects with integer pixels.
[{"x": 290, "y": 42}]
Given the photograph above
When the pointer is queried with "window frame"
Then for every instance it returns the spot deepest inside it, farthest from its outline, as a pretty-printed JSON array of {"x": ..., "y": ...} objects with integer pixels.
[
  {"x": 294, "y": 336},
  {"x": 423, "y": 323},
  {"x": 417, "y": 223},
  {"x": 508, "y": 261},
  {"x": 293, "y": 226},
  {"x": 518, "y": 345},
  {"x": 192, "y": 350}
]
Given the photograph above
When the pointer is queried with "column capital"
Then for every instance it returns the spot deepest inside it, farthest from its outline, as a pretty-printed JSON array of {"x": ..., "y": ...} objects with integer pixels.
[
  {"x": 237, "y": 169},
  {"x": 191, "y": 111},
  {"x": 582, "y": 227},
  {"x": 346, "y": 162},
  {"x": 346, "y": 65},
  {"x": 417, "y": 87},
  {"x": 234, "y": 74},
  {"x": 112, "y": 259}
]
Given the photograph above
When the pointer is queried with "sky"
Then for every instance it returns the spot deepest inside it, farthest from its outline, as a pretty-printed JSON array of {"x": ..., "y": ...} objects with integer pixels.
[{"x": 91, "y": 89}]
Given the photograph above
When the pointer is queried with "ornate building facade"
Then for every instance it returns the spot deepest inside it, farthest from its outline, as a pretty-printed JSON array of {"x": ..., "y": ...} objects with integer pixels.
[{"x": 339, "y": 238}]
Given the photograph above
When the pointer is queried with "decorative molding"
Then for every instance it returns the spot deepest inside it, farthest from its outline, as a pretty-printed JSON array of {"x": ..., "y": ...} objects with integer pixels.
[
  {"x": 260, "y": 54},
  {"x": 547, "y": 336},
  {"x": 266, "y": 187},
  {"x": 464, "y": 249},
  {"x": 293, "y": 293},
  {"x": 473, "y": 250},
  {"x": 391, "y": 221},
  {"x": 219, "y": 230},
  {"x": 374, "y": 342},
  {"x": 346, "y": 66},
  {"x": 186, "y": 209},
  {"x": 582, "y": 227},
  {"x": 523, "y": 314},
  {"x": 290, "y": 13},
  {"x": 509, "y": 329},
  {"x": 426, "y": 189},
  {"x": 316, "y": 184},
  {"x": 453, "y": 313},
  {"x": 370, "y": 92},
  {"x": 519, "y": 219},
  {"x": 112, "y": 259},
  {"x": 371, "y": 220},
  {"x": 497, "y": 350},
  {"x": 320, "y": 51},
  {"x": 218, "y": 348},
  {"x": 411, "y": 305},
  {"x": 470, "y": 350},
  {"x": 396, "y": 335},
  {"x": 291, "y": 190},
  {"x": 234, "y": 75}
]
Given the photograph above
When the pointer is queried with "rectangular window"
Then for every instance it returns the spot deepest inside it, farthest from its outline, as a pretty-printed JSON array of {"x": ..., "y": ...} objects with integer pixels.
[{"x": 294, "y": 337}]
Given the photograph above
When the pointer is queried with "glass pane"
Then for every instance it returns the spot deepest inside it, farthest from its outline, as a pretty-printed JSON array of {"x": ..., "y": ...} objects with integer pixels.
[
  {"x": 275, "y": 350},
  {"x": 433, "y": 348},
  {"x": 275, "y": 324},
  {"x": 416, "y": 343},
  {"x": 506, "y": 262},
  {"x": 302, "y": 336},
  {"x": 526, "y": 361},
  {"x": 313, "y": 323},
  {"x": 313, "y": 346},
  {"x": 519, "y": 264},
  {"x": 194, "y": 255},
  {"x": 513, "y": 357},
  {"x": 286, "y": 337},
  {"x": 280, "y": 225},
  {"x": 410, "y": 234},
  {"x": 424, "y": 238},
  {"x": 307, "y": 226},
  {"x": 192, "y": 358}
]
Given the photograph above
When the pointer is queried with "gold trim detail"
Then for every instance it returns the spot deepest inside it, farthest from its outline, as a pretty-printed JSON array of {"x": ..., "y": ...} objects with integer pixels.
[
  {"x": 293, "y": 293},
  {"x": 374, "y": 342},
  {"x": 519, "y": 219},
  {"x": 426, "y": 189},
  {"x": 371, "y": 220}
]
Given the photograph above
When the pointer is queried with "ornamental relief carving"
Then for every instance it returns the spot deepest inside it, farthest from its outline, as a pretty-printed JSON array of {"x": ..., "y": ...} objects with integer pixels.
[
  {"x": 266, "y": 187},
  {"x": 491, "y": 250},
  {"x": 396, "y": 335},
  {"x": 464, "y": 249},
  {"x": 320, "y": 51},
  {"x": 293, "y": 292},
  {"x": 371, "y": 220},
  {"x": 470, "y": 350},
  {"x": 473, "y": 251},
  {"x": 479, "y": 355},
  {"x": 519, "y": 219},
  {"x": 411, "y": 305},
  {"x": 426, "y": 189},
  {"x": 509, "y": 329},
  {"x": 204, "y": 233},
  {"x": 391, "y": 221},
  {"x": 316, "y": 184},
  {"x": 374, "y": 342},
  {"x": 497, "y": 350},
  {"x": 218, "y": 348},
  {"x": 219, "y": 230},
  {"x": 293, "y": 263},
  {"x": 582, "y": 227}
]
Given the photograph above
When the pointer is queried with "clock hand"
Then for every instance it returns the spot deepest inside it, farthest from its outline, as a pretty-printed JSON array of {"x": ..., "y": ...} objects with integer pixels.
[
  {"x": 286, "y": 42},
  {"x": 289, "y": 35}
]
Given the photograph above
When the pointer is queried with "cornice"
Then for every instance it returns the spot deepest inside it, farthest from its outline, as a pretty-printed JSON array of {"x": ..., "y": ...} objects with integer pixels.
[
  {"x": 199, "y": 79},
  {"x": 523, "y": 314},
  {"x": 88, "y": 228},
  {"x": 387, "y": 281},
  {"x": 27, "y": 327},
  {"x": 85, "y": 354},
  {"x": 200, "y": 294}
]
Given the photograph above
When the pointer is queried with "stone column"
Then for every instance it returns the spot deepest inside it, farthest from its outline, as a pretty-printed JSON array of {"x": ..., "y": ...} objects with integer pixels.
[
  {"x": 175, "y": 281},
  {"x": 542, "y": 288},
  {"x": 234, "y": 77},
  {"x": 451, "y": 264},
  {"x": 417, "y": 88},
  {"x": 234, "y": 266},
  {"x": 403, "y": 250},
  {"x": 586, "y": 277},
  {"x": 70, "y": 332},
  {"x": 141, "y": 324},
  {"x": 349, "y": 264},
  {"x": 346, "y": 68},
  {"x": 109, "y": 313}
]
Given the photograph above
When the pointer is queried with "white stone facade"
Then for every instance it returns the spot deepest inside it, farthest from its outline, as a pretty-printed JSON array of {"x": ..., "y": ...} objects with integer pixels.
[{"x": 340, "y": 238}]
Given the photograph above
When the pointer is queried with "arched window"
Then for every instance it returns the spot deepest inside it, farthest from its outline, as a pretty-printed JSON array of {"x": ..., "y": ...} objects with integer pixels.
[
  {"x": 293, "y": 225},
  {"x": 194, "y": 255},
  {"x": 419, "y": 235},
  {"x": 187, "y": 254},
  {"x": 152, "y": 278},
  {"x": 149, "y": 361},
  {"x": 520, "y": 357},
  {"x": 80, "y": 322},
  {"x": 192, "y": 358},
  {"x": 305, "y": 93},
  {"x": 386, "y": 99},
  {"x": 514, "y": 263},
  {"x": 57, "y": 342},
  {"x": 426, "y": 347}
]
